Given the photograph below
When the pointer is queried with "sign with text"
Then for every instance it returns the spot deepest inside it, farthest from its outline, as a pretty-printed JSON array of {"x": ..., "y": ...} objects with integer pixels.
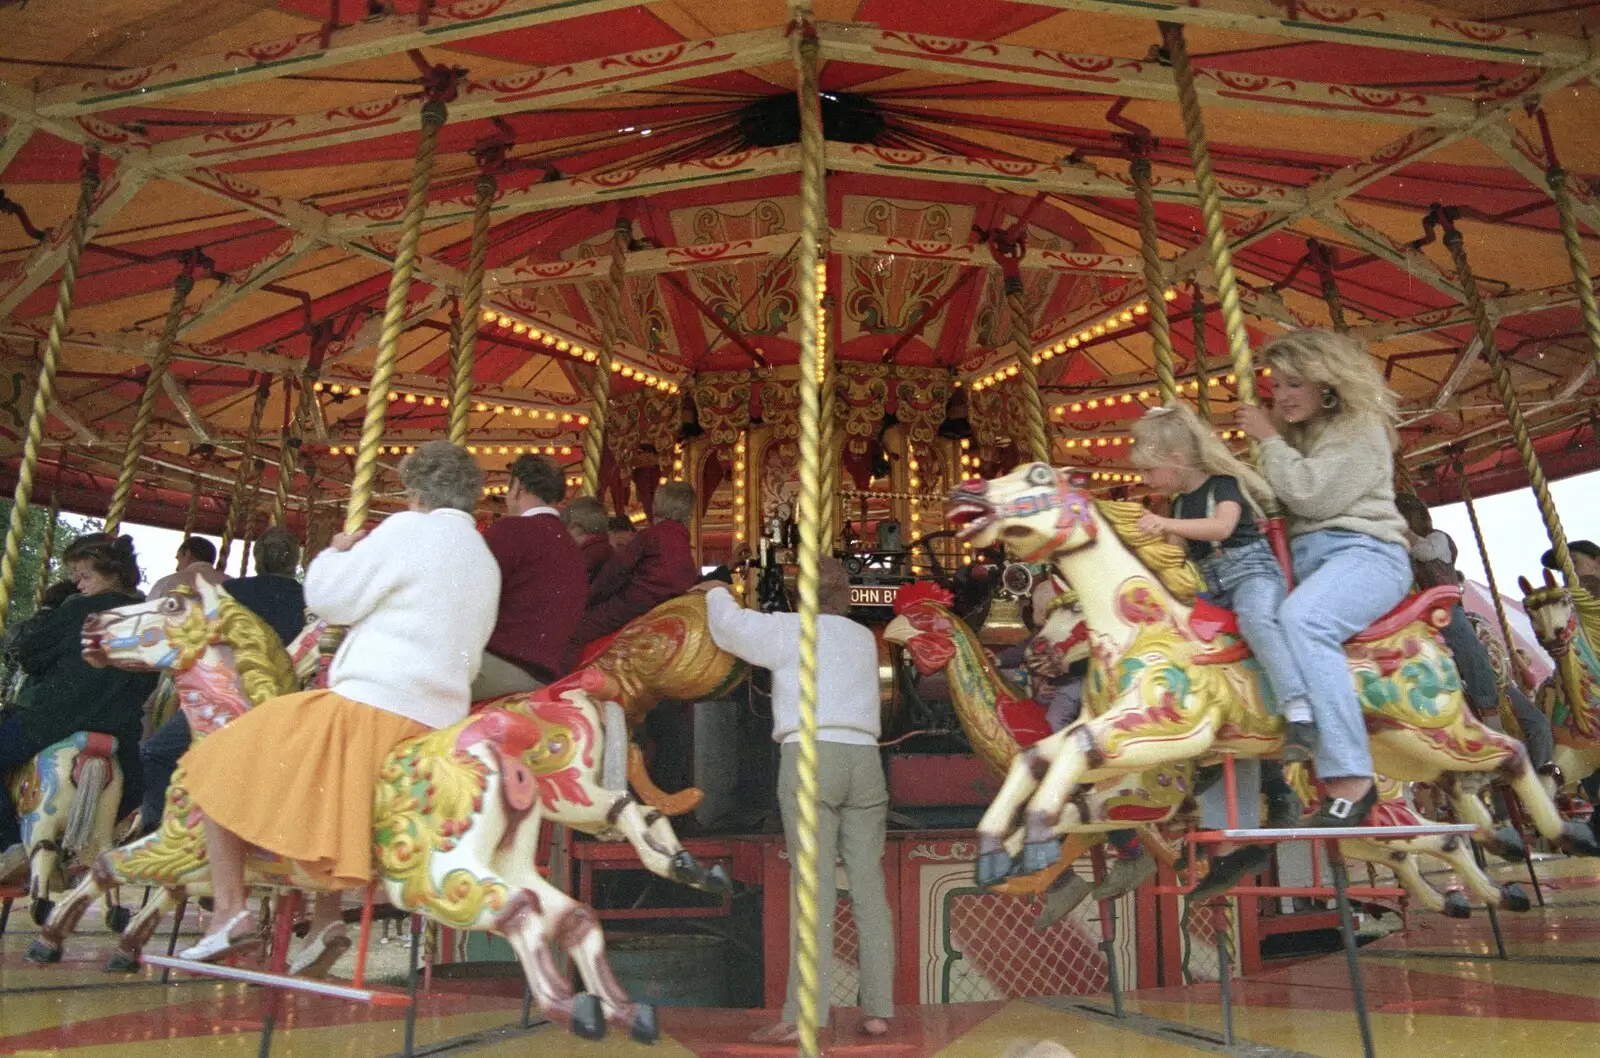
[{"x": 873, "y": 594}]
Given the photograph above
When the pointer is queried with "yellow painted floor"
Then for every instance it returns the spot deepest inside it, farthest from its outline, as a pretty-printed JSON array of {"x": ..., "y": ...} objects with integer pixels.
[{"x": 1435, "y": 990}]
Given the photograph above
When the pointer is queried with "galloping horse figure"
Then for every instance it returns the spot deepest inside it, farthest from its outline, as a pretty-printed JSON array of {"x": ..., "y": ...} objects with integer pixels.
[
  {"x": 1170, "y": 683},
  {"x": 457, "y": 812},
  {"x": 1567, "y": 623},
  {"x": 1000, "y": 723}
]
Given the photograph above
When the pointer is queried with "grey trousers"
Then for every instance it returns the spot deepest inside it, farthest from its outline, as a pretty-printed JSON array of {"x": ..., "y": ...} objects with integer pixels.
[
  {"x": 497, "y": 678},
  {"x": 852, "y": 814}
]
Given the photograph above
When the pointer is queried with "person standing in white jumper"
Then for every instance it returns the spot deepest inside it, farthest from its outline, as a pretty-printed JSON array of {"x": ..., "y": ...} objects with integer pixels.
[{"x": 852, "y": 794}]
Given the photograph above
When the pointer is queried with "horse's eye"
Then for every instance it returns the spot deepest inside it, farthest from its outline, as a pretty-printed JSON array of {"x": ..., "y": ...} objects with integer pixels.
[
  {"x": 171, "y": 604},
  {"x": 1041, "y": 474}
]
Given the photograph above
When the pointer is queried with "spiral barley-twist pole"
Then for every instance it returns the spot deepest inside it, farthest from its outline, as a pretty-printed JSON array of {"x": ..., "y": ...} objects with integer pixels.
[
  {"x": 1582, "y": 283},
  {"x": 1036, "y": 430},
  {"x": 1322, "y": 261},
  {"x": 44, "y": 393},
  {"x": 610, "y": 311},
  {"x": 1216, "y": 234},
  {"x": 471, "y": 307},
  {"x": 191, "y": 516},
  {"x": 1154, "y": 282},
  {"x": 394, "y": 315},
  {"x": 1506, "y": 389},
  {"x": 231, "y": 526},
  {"x": 1202, "y": 376},
  {"x": 289, "y": 452},
  {"x": 146, "y": 414},
  {"x": 813, "y": 222},
  {"x": 47, "y": 549}
]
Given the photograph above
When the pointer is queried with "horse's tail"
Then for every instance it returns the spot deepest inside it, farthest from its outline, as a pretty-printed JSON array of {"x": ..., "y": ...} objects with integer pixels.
[{"x": 91, "y": 779}]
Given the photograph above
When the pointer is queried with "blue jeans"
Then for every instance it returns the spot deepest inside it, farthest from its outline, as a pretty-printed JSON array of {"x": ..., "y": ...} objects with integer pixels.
[
  {"x": 159, "y": 755},
  {"x": 1346, "y": 581},
  {"x": 1214, "y": 798},
  {"x": 1249, "y": 581}
]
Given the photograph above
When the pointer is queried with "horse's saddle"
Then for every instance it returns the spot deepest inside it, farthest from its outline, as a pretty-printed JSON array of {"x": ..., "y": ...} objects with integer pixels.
[{"x": 1215, "y": 625}]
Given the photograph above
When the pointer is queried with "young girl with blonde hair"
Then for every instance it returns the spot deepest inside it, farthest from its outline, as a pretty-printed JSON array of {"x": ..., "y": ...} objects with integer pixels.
[
  {"x": 1216, "y": 514},
  {"x": 1327, "y": 450}
]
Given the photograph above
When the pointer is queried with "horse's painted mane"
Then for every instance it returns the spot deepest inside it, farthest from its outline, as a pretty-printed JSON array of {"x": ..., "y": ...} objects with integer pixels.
[
  {"x": 264, "y": 668},
  {"x": 1587, "y": 608},
  {"x": 1169, "y": 562}
]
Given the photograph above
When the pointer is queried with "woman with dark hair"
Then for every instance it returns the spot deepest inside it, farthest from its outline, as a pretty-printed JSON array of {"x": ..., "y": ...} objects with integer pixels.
[{"x": 63, "y": 693}]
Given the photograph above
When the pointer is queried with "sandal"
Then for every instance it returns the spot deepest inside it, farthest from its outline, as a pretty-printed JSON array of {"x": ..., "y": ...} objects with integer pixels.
[
  {"x": 238, "y": 934},
  {"x": 320, "y": 951},
  {"x": 874, "y": 1027}
]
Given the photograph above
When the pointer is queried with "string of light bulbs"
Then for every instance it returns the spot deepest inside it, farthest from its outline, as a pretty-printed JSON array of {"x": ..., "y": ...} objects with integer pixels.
[{"x": 578, "y": 351}]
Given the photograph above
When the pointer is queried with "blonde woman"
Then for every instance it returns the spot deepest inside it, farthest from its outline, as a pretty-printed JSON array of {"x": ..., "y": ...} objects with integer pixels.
[
  {"x": 1327, "y": 450},
  {"x": 295, "y": 775}
]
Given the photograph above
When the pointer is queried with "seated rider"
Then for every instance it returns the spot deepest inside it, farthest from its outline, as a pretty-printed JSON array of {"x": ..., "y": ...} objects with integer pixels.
[
  {"x": 196, "y": 557},
  {"x": 296, "y": 774},
  {"x": 1433, "y": 563},
  {"x": 654, "y": 566},
  {"x": 1327, "y": 451},
  {"x": 272, "y": 595},
  {"x": 1585, "y": 555},
  {"x": 542, "y": 584},
  {"x": 585, "y": 518},
  {"x": 64, "y": 694},
  {"x": 1216, "y": 516}
]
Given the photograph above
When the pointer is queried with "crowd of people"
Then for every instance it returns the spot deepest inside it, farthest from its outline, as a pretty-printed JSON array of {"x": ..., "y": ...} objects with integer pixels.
[{"x": 440, "y": 615}]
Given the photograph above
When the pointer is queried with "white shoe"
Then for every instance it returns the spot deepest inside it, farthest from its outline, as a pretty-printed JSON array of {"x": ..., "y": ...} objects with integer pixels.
[
  {"x": 238, "y": 934},
  {"x": 320, "y": 951},
  {"x": 13, "y": 864}
]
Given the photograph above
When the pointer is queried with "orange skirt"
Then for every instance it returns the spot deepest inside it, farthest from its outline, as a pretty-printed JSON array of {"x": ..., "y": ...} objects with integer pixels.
[{"x": 296, "y": 776}]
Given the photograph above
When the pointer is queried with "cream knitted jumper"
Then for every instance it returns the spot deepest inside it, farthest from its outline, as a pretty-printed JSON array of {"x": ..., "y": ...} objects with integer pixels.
[{"x": 1341, "y": 477}]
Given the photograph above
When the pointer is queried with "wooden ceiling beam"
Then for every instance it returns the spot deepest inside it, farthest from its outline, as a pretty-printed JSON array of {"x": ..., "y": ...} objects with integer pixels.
[
  {"x": 14, "y": 135},
  {"x": 534, "y": 89},
  {"x": 318, "y": 48},
  {"x": 1359, "y": 25},
  {"x": 1134, "y": 79},
  {"x": 1527, "y": 157},
  {"x": 116, "y": 191}
]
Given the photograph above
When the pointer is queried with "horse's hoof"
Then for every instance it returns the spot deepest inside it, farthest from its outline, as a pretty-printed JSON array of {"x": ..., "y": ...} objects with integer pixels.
[
  {"x": 42, "y": 951},
  {"x": 1508, "y": 845},
  {"x": 588, "y": 1019},
  {"x": 992, "y": 868},
  {"x": 41, "y": 911},
  {"x": 685, "y": 868},
  {"x": 1514, "y": 898},
  {"x": 1578, "y": 840},
  {"x": 117, "y": 918},
  {"x": 716, "y": 881},
  {"x": 1039, "y": 855},
  {"x": 1455, "y": 905},
  {"x": 122, "y": 963},
  {"x": 645, "y": 1029}
]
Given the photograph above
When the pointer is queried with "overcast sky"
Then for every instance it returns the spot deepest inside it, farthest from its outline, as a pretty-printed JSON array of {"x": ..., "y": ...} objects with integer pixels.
[{"x": 1511, "y": 526}]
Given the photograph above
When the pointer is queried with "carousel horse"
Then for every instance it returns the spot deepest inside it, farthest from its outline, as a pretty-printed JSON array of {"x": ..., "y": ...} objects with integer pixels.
[
  {"x": 1172, "y": 680},
  {"x": 1000, "y": 722},
  {"x": 457, "y": 812},
  {"x": 1567, "y": 624}
]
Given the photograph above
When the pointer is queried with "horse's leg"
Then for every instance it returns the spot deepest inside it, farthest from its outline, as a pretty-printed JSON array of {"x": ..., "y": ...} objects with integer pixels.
[
  {"x": 131, "y": 944},
  {"x": 1027, "y": 768},
  {"x": 576, "y": 931},
  {"x": 522, "y": 924},
  {"x": 1455, "y": 851},
  {"x": 47, "y": 946},
  {"x": 650, "y": 833},
  {"x": 1084, "y": 752},
  {"x": 1406, "y": 871}
]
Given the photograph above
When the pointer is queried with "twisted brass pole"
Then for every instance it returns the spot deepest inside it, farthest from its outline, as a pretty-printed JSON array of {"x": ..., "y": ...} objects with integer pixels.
[
  {"x": 829, "y": 410},
  {"x": 192, "y": 515},
  {"x": 1154, "y": 289},
  {"x": 289, "y": 449},
  {"x": 1488, "y": 569},
  {"x": 471, "y": 307},
  {"x": 813, "y": 221},
  {"x": 1216, "y": 233},
  {"x": 394, "y": 315},
  {"x": 1202, "y": 391},
  {"x": 1037, "y": 432},
  {"x": 610, "y": 312},
  {"x": 1506, "y": 388},
  {"x": 241, "y": 479},
  {"x": 1323, "y": 262},
  {"x": 1582, "y": 282},
  {"x": 44, "y": 393},
  {"x": 147, "y": 401},
  {"x": 47, "y": 549}
]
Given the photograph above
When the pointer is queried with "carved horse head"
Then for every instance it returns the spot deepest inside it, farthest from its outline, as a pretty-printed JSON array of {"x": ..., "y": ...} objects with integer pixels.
[
  {"x": 1035, "y": 511},
  {"x": 1551, "y": 612},
  {"x": 223, "y": 658}
]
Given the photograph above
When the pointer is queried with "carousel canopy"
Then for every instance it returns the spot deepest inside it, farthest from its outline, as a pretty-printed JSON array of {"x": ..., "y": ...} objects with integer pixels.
[{"x": 265, "y": 148}]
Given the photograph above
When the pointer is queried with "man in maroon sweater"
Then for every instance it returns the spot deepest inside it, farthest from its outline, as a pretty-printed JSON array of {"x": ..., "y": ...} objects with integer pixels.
[
  {"x": 585, "y": 518},
  {"x": 543, "y": 585},
  {"x": 656, "y": 565}
]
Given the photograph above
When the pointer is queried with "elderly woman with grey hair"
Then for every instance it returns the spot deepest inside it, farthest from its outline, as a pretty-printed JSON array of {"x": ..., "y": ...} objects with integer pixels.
[{"x": 295, "y": 775}]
